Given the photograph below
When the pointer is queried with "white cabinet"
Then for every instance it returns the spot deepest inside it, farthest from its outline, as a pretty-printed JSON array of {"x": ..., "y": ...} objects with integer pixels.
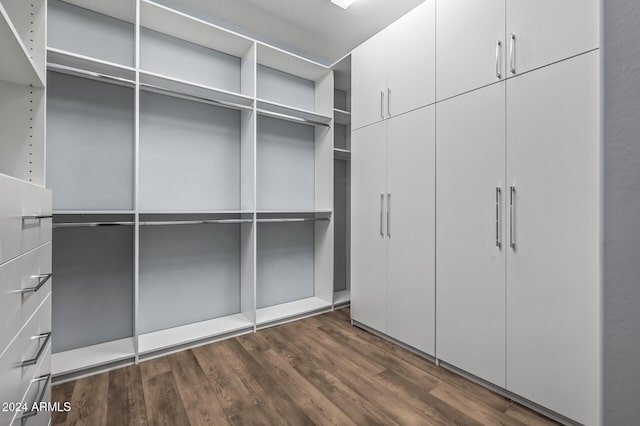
[
  {"x": 553, "y": 269},
  {"x": 395, "y": 69},
  {"x": 369, "y": 88},
  {"x": 410, "y": 229},
  {"x": 470, "y": 45},
  {"x": 546, "y": 31},
  {"x": 368, "y": 238},
  {"x": 411, "y": 60},
  {"x": 392, "y": 240},
  {"x": 470, "y": 233}
]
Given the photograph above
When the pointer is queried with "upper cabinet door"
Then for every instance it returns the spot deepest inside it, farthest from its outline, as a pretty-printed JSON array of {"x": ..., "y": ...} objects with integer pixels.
[
  {"x": 553, "y": 295},
  {"x": 545, "y": 31},
  {"x": 368, "y": 236},
  {"x": 412, "y": 60},
  {"x": 470, "y": 48},
  {"x": 411, "y": 229},
  {"x": 369, "y": 81}
]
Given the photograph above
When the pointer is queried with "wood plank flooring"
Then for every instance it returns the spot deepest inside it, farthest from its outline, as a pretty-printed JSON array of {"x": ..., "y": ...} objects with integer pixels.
[{"x": 319, "y": 370}]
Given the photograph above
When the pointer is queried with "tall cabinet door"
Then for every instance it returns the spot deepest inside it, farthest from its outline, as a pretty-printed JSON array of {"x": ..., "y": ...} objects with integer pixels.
[
  {"x": 470, "y": 233},
  {"x": 369, "y": 85},
  {"x": 553, "y": 269},
  {"x": 411, "y": 229},
  {"x": 547, "y": 31},
  {"x": 412, "y": 60},
  {"x": 468, "y": 54},
  {"x": 368, "y": 232}
]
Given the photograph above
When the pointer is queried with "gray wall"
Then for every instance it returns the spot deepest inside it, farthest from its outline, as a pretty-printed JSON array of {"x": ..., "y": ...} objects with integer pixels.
[{"x": 621, "y": 186}]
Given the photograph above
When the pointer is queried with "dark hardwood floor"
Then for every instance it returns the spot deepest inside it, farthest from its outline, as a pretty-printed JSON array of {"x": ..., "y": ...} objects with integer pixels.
[{"x": 319, "y": 370}]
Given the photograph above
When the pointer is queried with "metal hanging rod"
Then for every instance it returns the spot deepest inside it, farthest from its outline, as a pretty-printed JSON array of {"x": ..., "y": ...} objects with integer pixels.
[
  {"x": 152, "y": 223},
  {"x": 175, "y": 93},
  {"x": 295, "y": 219},
  {"x": 292, "y": 118},
  {"x": 91, "y": 74}
]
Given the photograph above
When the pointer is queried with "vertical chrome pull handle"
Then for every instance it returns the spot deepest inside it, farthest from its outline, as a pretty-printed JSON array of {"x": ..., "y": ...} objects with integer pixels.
[
  {"x": 381, "y": 215},
  {"x": 499, "y": 60},
  {"x": 512, "y": 217},
  {"x": 389, "y": 101},
  {"x": 389, "y": 215},
  {"x": 498, "y": 216},
  {"x": 512, "y": 54},
  {"x": 382, "y": 104}
]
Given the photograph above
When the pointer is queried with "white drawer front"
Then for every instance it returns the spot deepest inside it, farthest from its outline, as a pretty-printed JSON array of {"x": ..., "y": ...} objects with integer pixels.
[
  {"x": 39, "y": 392},
  {"x": 22, "y": 227},
  {"x": 24, "y": 283},
  {"x": 15, "y": 369}
]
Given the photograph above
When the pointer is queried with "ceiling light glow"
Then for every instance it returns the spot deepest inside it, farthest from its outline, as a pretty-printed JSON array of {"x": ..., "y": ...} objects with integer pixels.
[{"x": 343, "y": 3}]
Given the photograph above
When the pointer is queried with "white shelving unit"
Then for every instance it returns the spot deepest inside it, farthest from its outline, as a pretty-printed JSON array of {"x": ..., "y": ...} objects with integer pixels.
[
  {"x": 225, "y": 166},
  {"x": 342, "y": 182}
]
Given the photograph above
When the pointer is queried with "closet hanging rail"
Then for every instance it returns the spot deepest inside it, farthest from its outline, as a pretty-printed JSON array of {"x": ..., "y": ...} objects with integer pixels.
[
  {"x": 150, "y": 223},
  {"x": 175, "y": 93},
  {"x": 295, "y": 219},
  {"x": 292, "y": 118},
  {"x": 90, "y": 224},
  {"x": 64, "y": 69}
]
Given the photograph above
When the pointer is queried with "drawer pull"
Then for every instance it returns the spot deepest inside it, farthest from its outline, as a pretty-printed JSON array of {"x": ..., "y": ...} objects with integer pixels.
[
  {"x": 43, "y": 279},
  {"x": 37, "y": 217},
  {"x": 46, "y": 378},
  {"x": 34, "y": 360}
]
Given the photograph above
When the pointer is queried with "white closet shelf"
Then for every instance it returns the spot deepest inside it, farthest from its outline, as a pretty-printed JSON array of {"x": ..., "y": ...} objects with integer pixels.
[
  {"x": 88, "y": 212},
  {"x": 92, "y": 356},
  {"x": 125, "y": 10},
  {"x": 185, "y": 212},
  {"x": 168, "y": 21},
  {"x": 284, "y": 61},
  {"x": 341, "y": 297},
  {"x": 183, "y": 89},
  {"x": 177, "y": 336},
  {"x": 289, "y": 113},
  {"x": 341, "y": 154},
  {"x": 84, "y": 66},
  {"x": 341, "y": 116},
  {"x": 272, "y": 314},
  {"x": 16, "y": 65}
]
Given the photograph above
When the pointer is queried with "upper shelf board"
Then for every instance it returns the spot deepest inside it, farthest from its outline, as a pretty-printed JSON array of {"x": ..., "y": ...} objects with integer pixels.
[
  {"x": 16, "y": 65},
  {"x": 72, "y": 63},
  {"x": 284, "y": 61},
  {"x": 342, "y": 117},
  {"x": 273, "y": 109},
  {"x": 177, "y": 24}
]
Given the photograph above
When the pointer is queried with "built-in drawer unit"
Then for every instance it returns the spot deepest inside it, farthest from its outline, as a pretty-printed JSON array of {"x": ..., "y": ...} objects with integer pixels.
[
  {"x": 20, "y": 360},
  {"x": 25, "y": 217},
  {"x": 24, "y": 283}
]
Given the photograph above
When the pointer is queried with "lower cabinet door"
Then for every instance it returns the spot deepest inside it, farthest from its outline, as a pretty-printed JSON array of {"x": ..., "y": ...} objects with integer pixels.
[
  {"x": 368, "y": 237},
  {"x": 470, "y": 233},
  {"x": 411, "y": 229},
  {"x": 553, "y": 294}
]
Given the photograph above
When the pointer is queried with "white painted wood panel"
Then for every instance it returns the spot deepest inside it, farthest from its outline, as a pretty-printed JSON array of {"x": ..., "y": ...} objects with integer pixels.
[
  {"x": 470, "y": 265},
  {"x": 368, "y": 242},
  {"x": 468, "y": 32},
  {"x": 369, "y": 81},
  {"x": 411, "y": 229},
  {"x": 553, "y": 293},
  {"x": 412, "y": 60}
]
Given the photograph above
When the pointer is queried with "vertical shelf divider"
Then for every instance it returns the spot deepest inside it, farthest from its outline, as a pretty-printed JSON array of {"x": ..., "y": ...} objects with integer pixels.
[{"x": 136, "y": 192}]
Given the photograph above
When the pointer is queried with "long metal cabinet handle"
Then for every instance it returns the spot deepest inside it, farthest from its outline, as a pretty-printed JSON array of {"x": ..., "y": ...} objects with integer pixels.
[
  {"x": 389, "y": 101},
  {"x": 382, "y": 104},
  {"x": 498, "y": 59},
  {"x": 37, "y": 217},
  {"x": 498, "y": 208},
  {"x": 512, "y": 54},
  {"x": 389, "y": 215},
  {"x": 43, "y": 279},
  {"x": 46, "y": 379},
  {"x": 381, "y": 215},
  {"x": 34, "y": 360},
  {"x": 512, "y": 217}
]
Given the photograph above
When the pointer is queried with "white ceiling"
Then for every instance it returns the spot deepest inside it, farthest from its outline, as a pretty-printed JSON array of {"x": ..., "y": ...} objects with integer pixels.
[{"x": 316, "y": 29}]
